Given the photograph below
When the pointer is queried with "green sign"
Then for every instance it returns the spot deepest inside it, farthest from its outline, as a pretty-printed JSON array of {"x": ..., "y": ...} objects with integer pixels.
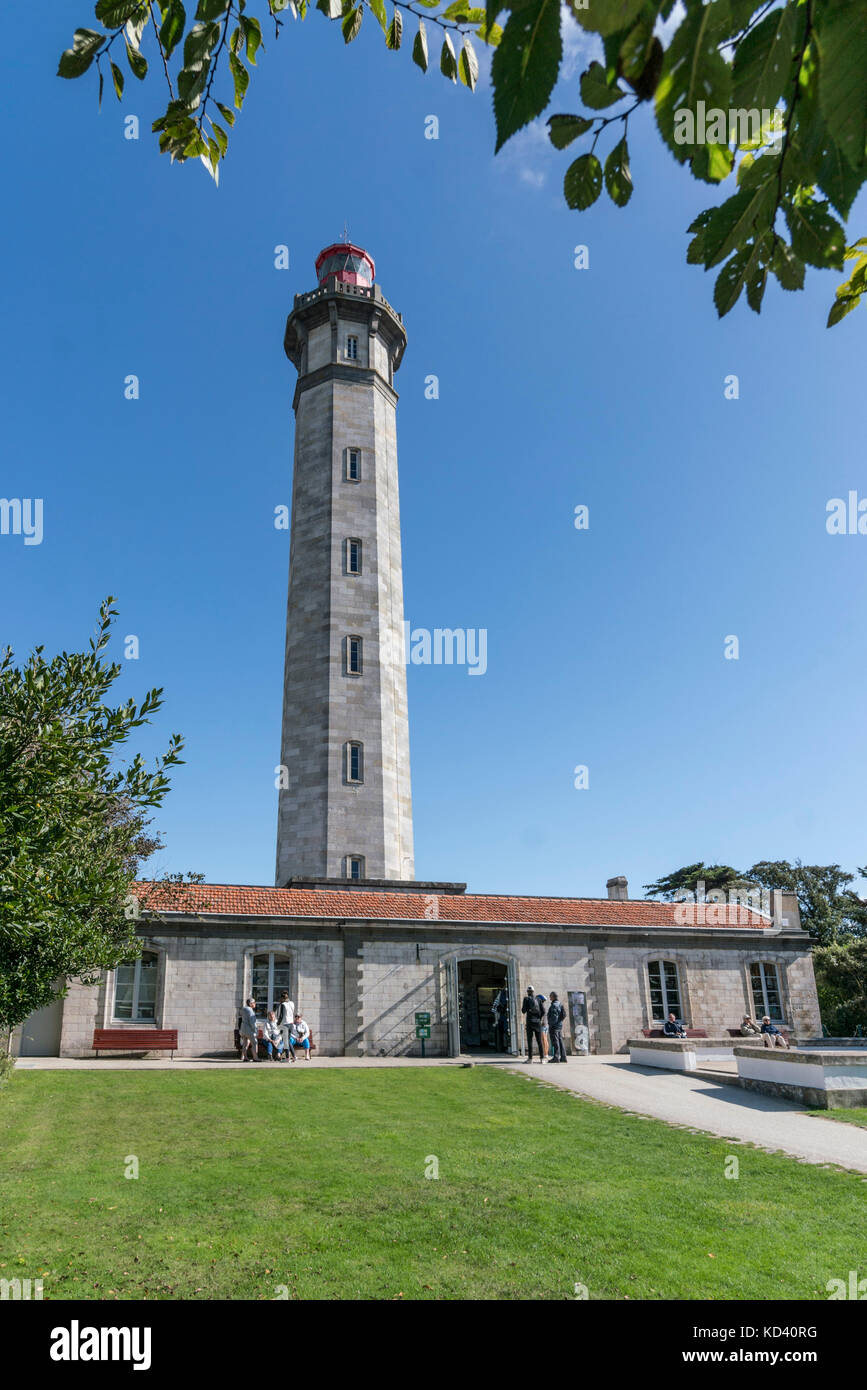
[
  {"x": 421, "y": 1019},
  {"x": 422, "y": 1030}
]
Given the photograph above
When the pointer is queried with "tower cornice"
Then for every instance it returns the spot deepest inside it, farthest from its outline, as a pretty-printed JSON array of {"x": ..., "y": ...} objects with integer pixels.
[
  {"x": 342, "y": 371},
  {"x": 365, "y": 303}
]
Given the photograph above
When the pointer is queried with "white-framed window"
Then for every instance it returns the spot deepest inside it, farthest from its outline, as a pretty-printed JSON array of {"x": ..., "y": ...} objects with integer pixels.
[
  {"x": 664, "y": 990},
  {"x": 352, "y": 347},
  {"x": 270, "y": 974},
  {"x": 354, "y": 866},
  {"x": 135, "y": 990},
  {"x": 354, "y": 656},
  {"x": 354, "y": 769},
  {"x": 765, "y": 983},
  {"x": 353, "y": 465},
  {"x": 353, "y": 555}
]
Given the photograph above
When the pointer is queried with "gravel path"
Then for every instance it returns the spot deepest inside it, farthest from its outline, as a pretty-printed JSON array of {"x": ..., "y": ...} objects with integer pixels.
[{"x": 709, "y": 1105}]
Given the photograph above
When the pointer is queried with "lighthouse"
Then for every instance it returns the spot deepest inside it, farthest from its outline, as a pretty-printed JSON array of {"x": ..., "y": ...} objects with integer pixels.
[{"x": 345, "y": 804}]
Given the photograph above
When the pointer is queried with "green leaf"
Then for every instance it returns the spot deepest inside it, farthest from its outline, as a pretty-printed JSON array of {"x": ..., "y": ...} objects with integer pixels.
[
  {"x": 117, "y": 79},
  {"x": 788, "y": 268},
  {"x": 419, "y": 47},
  {"x": 172, "y": 29},
  {"x": 200, "y": 43},
  {"x": 817, "y": 237},
  {"x": 332, "y": 8},
  {"x": 618, "y": 176},
  {"x": 395, "y": 31},
  {"x": 226, "y": 112},
  {"x": 241, "y": 79},
  {"x": 378, "y": 8},
  {"x": 763, "y": 61},
  {"x": 115, "y": 13},
  {"x": 351, "y": 25},
  {"x": 841, "y": 36},
  {"x": 839, "y": 181},
  {"x": 448, "y": 61},
  {"x": 841, "y": 307},
  {"x": 757, "y": 279},
  {"x": 562, "y": 130},
  {"x": 221, "y": 136},
  {"x": 693, "y": 70},
  {"x": 583, "y": 182},
  {"x": 468, "y": 66},
  {"x": 754, "y": 171},
  {"x": 730, "y": 281},
  {"x": 86, "y": 43},
  {"x": 712, "y": 163},
  {"x": 135, "y": 26},
  {"x": 595, "y": 90},
  {"x": 191, "y": 81},
  {"x": 743, "y": 215},
  {"x": 526, "y": 65},
  {"x": 137, "y": 62},
  {"x": 252, "y": 32},
  {"x": 607, "y": 16},
  {"x": 211, "y": 9}
]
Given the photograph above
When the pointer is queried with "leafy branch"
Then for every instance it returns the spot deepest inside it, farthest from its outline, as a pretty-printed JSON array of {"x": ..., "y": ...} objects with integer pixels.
[{"x": 773, "y": 93}]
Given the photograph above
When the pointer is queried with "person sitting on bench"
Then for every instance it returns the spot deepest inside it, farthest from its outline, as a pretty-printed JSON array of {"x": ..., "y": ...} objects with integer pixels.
[
  {"x": 272, "y": 1036},
  {"x": 749, "y": 1026},
  {"x": 300, "y": 1036},
  {"x": 771, "y": 1035},
  {"x": 673, "y": 1028}
]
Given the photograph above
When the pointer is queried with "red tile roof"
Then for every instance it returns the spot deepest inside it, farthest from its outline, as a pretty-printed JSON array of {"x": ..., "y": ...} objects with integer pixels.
[{"x": 245, "y": 900}]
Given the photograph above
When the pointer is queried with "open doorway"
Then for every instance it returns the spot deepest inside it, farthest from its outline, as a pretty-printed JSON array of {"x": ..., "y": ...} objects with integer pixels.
[{"x": 484, "y": 1011}]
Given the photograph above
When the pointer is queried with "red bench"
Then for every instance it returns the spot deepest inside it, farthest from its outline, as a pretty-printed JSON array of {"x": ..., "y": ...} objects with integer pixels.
[
  {"x": 658, "y": 1033},
  {"x": 135, "y": 1040}
]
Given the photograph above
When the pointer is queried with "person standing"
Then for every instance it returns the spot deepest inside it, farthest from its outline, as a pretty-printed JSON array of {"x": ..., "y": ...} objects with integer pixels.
[
  {"x": 556, "y": 1015},
  {"x": 285, "y": 1019},
  {"x": 543, "y": 1005},
  {"x": 532, "y": 1011},
  {"x": 249, "y": 1032},
  {"x": 501, "y": 1018}
]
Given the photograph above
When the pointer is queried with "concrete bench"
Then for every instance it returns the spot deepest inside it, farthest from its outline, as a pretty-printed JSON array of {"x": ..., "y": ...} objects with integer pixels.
[
  {"x": 821, "y": 1077},
  {"x": 678, "y": 1054},
  {"x": 135, "y": 1040}
]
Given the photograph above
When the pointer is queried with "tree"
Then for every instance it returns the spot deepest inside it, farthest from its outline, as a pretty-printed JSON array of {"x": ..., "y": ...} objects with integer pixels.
[
  {"x": 74, "y": 824},
  {"x": 841, "y": 981},
  {"x": 773, "y": 95},
  {"x": 830, "y": 910}
]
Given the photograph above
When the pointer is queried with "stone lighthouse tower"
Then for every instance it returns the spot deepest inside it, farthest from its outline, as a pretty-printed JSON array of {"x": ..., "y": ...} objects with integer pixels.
[{"x": 345, "y": 811}]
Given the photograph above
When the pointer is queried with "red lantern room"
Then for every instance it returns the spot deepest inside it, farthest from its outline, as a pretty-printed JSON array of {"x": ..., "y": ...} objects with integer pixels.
[{"x": 346, "y": 262}]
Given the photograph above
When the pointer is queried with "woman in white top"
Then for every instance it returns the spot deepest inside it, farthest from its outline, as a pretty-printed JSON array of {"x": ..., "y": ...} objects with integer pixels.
[
  {"x": 273, "y": 1038},
  {"x": 301, "y": 1035}
]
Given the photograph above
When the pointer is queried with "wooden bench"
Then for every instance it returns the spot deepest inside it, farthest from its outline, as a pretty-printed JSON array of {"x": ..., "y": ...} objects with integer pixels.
[
  {"x": 658, "y": 1033},
  {"x": 135, "y": 1040}
]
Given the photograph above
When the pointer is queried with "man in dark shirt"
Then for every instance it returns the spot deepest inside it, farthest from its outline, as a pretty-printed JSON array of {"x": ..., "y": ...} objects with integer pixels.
[
  {"x": 673, "y": 1028},
  {"x": 556, "y": 1015},
  {"x": 532, "y": 1011},
  {"x": 771, "y": 1035}
]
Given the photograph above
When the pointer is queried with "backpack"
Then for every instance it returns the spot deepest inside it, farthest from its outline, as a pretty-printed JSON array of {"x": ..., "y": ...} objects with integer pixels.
[{"x": 534, "y": 1010}]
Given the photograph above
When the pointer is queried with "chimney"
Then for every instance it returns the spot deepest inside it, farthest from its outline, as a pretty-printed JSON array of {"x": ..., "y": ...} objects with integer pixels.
[{"x": 618, "y": 889}]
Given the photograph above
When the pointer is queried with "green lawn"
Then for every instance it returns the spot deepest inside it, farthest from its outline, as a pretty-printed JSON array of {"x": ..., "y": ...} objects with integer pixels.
[
  {"x": 854, "y": 1115},
  {"x": 316, "y": 1180}
]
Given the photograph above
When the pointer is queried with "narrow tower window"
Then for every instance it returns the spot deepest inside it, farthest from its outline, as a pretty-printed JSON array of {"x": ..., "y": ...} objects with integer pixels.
[
  {"x": 354, "y": 866},
  {"x": 353, "y": 556},
  {"x": 352, "y": 348},
  {"x": 354, "y": 762},
  {"x": 353, "y": 656},
  {"x": 353, "y": 465}
]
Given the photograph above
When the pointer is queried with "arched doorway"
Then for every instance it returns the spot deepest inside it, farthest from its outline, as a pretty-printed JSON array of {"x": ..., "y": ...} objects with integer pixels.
[{"x": 482, "y": 1006}]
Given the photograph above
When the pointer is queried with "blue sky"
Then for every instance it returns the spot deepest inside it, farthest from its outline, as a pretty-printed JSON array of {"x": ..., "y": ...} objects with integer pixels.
[{"x": 557, "y": 387}]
